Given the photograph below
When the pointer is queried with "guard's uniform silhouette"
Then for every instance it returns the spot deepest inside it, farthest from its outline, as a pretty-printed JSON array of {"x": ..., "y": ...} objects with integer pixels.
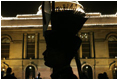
[{"x": 62, "y": 43}]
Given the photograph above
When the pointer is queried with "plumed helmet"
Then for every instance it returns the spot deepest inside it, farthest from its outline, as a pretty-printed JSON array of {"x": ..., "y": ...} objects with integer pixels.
[{"x": 68, "y": 21}]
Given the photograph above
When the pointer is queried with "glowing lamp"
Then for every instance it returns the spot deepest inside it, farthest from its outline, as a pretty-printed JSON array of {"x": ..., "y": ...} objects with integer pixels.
[
  {"x": 30, "y": 67},
  {"x": 3, "y": 69},
  {"x": 86, "y": 67}
]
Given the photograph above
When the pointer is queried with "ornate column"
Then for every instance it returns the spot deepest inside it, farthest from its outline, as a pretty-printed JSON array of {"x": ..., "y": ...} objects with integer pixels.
[
  {"x": 107, "y": 48},
  {"x": 81, "y": 51},
  {"x": 39, "y": 45},
  {"x": 91, "y": 44},
  {"x": 36, "y": 45},
  {"x": 25, "y": 45}
]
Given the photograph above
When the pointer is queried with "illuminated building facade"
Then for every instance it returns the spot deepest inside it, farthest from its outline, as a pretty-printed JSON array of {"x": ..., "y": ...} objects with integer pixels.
[{"x": 22, "y": 44}]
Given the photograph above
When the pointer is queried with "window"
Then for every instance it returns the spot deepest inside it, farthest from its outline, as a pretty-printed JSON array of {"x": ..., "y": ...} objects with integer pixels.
[
  {"x": 31, "y": 46},
  {"x": 85, "y": 45},
  {"x": 112, "y": 43},
  {"x": 5, "y": 46}
]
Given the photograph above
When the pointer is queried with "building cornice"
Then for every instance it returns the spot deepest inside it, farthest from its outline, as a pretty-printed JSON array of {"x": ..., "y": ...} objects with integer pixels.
[{"x": 15, "y": 26}]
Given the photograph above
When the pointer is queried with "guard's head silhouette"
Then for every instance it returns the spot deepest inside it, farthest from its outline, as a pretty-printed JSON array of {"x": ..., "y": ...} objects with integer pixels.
[
  {"x": 62, "y": 44},
  {"x": 9, "y": 70}
]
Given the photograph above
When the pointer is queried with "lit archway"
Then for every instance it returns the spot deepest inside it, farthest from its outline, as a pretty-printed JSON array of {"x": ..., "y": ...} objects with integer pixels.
[
  {"x": 87, "y": 70},
  {"x": 113, "y": 69},
  {"x": 30, "y": 72}
]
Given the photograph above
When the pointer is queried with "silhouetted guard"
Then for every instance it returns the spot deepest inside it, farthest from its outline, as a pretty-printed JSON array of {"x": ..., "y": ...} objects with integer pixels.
[{"x": 62, "y": 42}]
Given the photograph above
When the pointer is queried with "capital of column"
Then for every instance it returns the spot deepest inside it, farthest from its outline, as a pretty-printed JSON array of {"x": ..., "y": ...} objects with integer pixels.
[
  {"x": 25, "y": 34},
  {"x": 36, "y": 34},
  {"x": 91, "y": 33}
]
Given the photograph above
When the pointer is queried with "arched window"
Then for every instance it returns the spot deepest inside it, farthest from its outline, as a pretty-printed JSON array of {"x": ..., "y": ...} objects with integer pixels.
[
  {"x": 5, "y": 46},
  {"x": 87, "y": 70},
  {"x": 30, "y": 72},
  {"x": 112, "y": 44}
]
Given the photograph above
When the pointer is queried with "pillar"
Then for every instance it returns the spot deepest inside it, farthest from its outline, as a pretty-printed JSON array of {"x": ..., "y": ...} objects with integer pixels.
[
  {"x": 25, "y": 45},
  {"x": 91, "y": 44},
  {"x": 36, "y": 45}
]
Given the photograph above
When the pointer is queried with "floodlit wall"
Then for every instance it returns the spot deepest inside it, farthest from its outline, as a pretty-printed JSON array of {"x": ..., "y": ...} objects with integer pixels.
[{"x": 100, "y": 26}]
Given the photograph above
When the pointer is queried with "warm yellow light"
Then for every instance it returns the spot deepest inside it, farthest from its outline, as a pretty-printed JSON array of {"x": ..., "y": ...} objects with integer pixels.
[
  {"x": 86, "y": 67},
  {"x": 82, "y": 37},
  {"x": 28, "y": 36},
  {"x": 3, "y": 69},
  {"x": 39, "y": 12},
  {"x": 115, "y": 68},
  {"x": 4, "y": 58},
  {"x": 80, "y": 10},
  {"x": 100, "y": 24},
  {"x": 32, "y": 37},
  {"x": 85, "y": 36},
  {"x": 15, "y": 18},
  {"x": 30, "y": 67}
]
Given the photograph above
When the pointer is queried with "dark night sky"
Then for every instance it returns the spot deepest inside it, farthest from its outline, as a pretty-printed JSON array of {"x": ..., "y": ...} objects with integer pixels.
[{"x": 12, "y": 8}]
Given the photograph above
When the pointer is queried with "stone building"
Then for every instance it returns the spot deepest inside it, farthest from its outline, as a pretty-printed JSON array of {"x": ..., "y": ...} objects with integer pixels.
[{"x": 22, "y": 44}]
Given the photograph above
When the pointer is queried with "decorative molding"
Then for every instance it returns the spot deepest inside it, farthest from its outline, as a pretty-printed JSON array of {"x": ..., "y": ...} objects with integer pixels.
[
  {"x": 112, "y": 64},
  {"x": 8, "y": 36},
  {"x": 110, "y": 34},
  {"x": 17, "y": 41}
]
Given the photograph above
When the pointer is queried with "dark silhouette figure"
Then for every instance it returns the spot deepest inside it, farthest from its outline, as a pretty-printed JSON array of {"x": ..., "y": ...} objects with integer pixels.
[
  {"x": 100, "y": 76},
  {"x": 13, "y": 74},
  {"x": 62, "y": 42},
  {"x": 39, "y": 76},
  {"x": 103, "y": 76},
  {"x": 2, "y": 74},
  {"x": 9, "y": 75}
]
